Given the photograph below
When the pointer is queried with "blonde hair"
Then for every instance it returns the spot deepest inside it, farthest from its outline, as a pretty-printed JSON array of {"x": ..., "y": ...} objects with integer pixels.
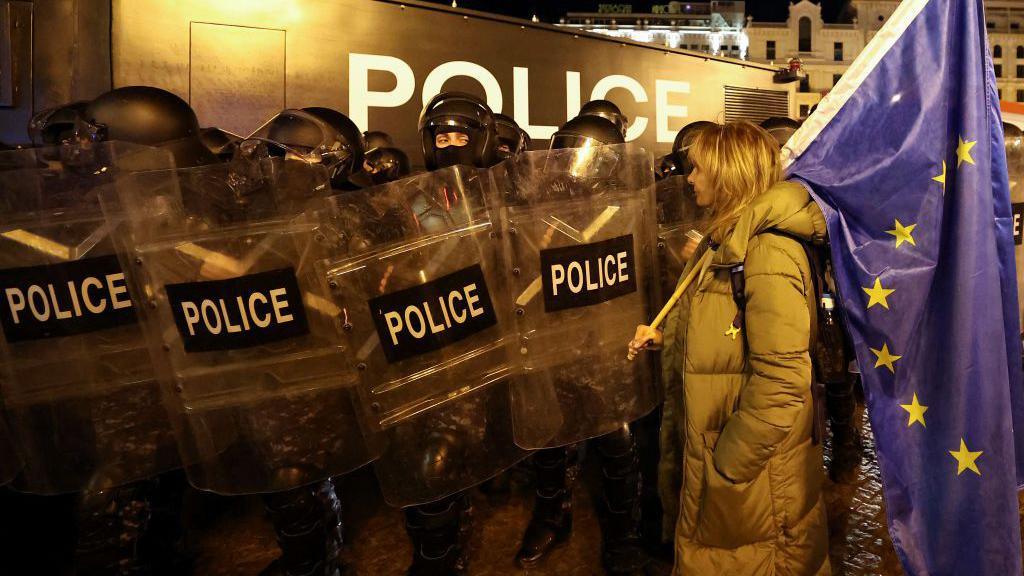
[{"x": 741, "y": 161}]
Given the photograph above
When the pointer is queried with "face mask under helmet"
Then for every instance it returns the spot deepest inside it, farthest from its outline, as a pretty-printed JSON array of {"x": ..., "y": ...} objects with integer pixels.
[{"x": 457, "y": 112}]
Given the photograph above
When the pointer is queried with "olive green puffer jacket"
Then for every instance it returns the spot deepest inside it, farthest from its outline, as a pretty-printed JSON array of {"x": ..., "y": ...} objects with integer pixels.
[{"x": 740, "y": 479}]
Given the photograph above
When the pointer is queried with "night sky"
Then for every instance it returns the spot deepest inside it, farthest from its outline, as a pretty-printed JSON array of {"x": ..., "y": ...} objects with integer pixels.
[{"x": 551, "y": 10}]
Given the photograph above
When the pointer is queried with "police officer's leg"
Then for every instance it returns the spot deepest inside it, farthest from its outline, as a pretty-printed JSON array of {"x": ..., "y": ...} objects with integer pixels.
[
  {"x": 846, "y": 443},
  {"x": 551, "y": 524},
  {"x": 439, "y": 532},
  {"x": 307, "y": 522},
  {"x": 622, "y": 550},
  {"x": 111, "y": 523}
]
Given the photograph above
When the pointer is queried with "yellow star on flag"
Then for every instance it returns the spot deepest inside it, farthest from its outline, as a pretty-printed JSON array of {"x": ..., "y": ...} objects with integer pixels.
[
  {"x": 877, "y": 294},
  {"x": 941, "y": 178},
  {"x": 885, "y": 358},
  {"x": 916, "y": 411},
  {"x": 732, "y": 331},
  {"x": 963, "y": 152},
  {"x": 903, "y": 233},
  {"x": 965, "y": 459}
]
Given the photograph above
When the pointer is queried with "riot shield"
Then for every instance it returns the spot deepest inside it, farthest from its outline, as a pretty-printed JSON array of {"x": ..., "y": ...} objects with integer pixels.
[
  {"x": 579, "y": 231},
  {"x": 680, "y": 222},
  {"x": 242, "y": 331},
  {"x": 78, "y": 388},
  {"x": 420, "y": 281}
]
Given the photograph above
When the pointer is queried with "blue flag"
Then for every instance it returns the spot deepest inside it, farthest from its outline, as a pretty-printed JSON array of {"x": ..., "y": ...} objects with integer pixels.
[{"x": 906, "y": 158}]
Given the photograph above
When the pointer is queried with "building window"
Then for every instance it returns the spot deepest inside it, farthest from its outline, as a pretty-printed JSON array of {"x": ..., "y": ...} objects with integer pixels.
[
  {"x": 805, "y": 34},
  {"x": 1015, "y": 26},
  {"x": 805, "y": 84},
  {"x": 804, "y": 110},
  {"x": 990, "y": 25},
  {"x": 835, "y": 78},
  {"x": 1020, "y": 51},
  {"x": 837, "y": 49},
  {"x": 999, "y": 70},
  {"x": 1000, "y": 93},
  {"x": 997, "y": 51},
  {"x": 769, "y": 50},
  {"x": 1020, "y": 71},
  {"x": 1020, "y": 95}
]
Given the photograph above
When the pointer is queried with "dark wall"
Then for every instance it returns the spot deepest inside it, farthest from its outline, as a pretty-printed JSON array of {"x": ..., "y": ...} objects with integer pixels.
[{"x": 60, "y": 52}]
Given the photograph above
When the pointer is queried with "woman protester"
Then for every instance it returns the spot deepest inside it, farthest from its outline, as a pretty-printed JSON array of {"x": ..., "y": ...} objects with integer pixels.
[{"x": 741, "y": 478}]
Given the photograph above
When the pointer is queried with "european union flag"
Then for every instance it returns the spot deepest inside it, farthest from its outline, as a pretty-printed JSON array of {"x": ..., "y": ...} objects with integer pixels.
[{"x": 905, "y": 156}]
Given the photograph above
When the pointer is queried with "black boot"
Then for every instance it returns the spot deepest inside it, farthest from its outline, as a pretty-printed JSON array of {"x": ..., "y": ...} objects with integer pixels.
[
  {"x": 111, "y": 523},
  {"x": 307, "y": 522},
  {"x": 846, "y": 442},
  {"x": 622, "y": 550},
  {"x": 551, "y": 524},
  {"x": 440, "y": 532}
]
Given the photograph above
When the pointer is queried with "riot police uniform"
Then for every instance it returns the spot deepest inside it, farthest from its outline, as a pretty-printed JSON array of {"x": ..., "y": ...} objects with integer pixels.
[
  {"x": 556, "y": 468},
  {"x": 116, "y": 445},
  {"x": 308, "y": 520}
]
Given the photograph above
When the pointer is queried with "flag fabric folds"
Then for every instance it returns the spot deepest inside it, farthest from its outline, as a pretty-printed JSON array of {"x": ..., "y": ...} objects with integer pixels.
[{"x": 905, "y": 157}]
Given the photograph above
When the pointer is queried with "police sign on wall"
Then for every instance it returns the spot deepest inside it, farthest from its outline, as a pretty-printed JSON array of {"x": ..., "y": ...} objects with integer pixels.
[{"x": 379, "y": 62}]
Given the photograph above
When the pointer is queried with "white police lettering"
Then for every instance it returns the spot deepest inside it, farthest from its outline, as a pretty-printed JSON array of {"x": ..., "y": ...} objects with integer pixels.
[
  {"x": 591, "y": 274},
  {"x": 257, "y": 310},
  {"x": 435, "y": 316},
  {"x": 361, "y": 98},
  {"x": 64, "y": 301}
]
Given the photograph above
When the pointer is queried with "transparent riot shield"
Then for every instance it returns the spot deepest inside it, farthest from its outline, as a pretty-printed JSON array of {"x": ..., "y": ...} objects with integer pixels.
[
  {"x": 680, "y": 226},
  {"x": 579, "y": 230},
  {"x": 420, "y": 281},
  {"x": 243, "y": 332},
  {"x": 81, "y": 398}
]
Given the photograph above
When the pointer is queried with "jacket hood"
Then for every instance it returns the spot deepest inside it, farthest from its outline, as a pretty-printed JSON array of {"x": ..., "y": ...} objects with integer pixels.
[{"x": 786, "y": 207}]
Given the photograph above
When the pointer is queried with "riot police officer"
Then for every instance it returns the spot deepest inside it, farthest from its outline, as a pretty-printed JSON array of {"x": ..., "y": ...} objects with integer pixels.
[
  {"x": 308, "y": 520},
  {"x": 455, "y": 129},
  {"x": 384, "y": 164},
  {"x": 609, "y": 111},
  {"x": 556, "y": 468},
  {"x": 55, "y": 126},
  {"x": 377, "y": 139},
  {"x": 676, "y": 162},
  {"x": 134, "y": 526},
  {"x": 781, "y": 128},
  {"x": 149, "y": 116},
  {"x": 511, "y": 139},
  {"x": 220, "y": 142}
]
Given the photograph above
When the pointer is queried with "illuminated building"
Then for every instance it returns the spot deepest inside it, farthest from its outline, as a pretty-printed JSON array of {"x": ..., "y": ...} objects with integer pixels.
[{"x": 712, "y": 27}]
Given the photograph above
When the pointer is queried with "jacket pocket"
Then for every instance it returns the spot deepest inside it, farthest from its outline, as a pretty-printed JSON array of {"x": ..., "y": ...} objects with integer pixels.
[{"x": 732, "y": 515}]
